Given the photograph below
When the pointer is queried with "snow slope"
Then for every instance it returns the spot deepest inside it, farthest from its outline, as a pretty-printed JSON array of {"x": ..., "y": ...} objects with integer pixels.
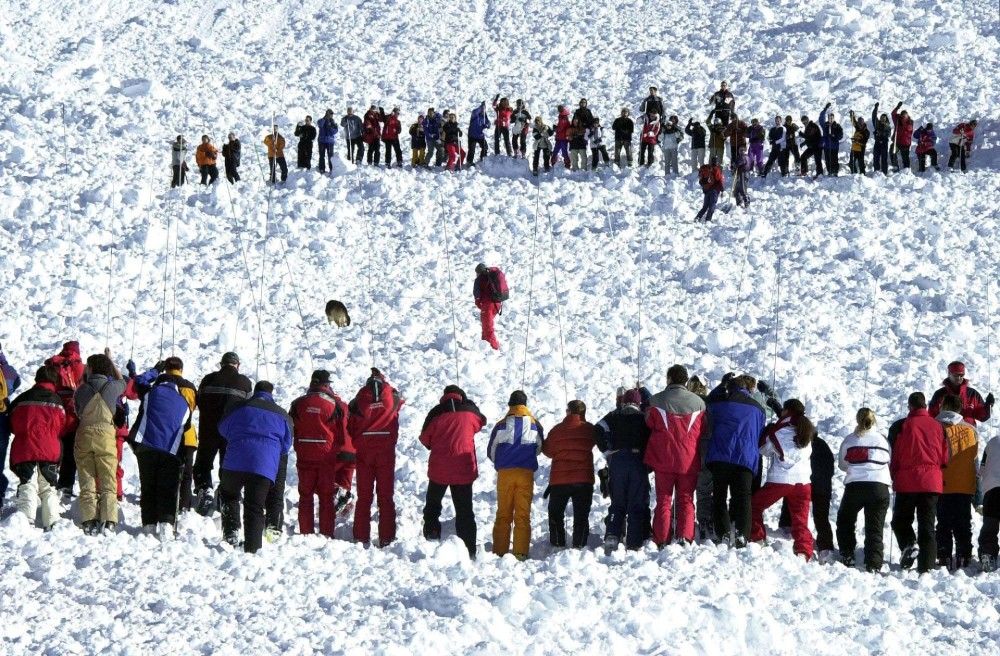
[{"x": 91, "y": 94}]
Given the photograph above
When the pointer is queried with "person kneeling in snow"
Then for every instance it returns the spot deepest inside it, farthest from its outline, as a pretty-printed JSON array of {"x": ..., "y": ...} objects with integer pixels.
[
  {"x": 490, "y": 291},
  {"x": 258, "y": 433},
  {"x": 514, "y": 446},
  {"x": 622, "y": 436}
]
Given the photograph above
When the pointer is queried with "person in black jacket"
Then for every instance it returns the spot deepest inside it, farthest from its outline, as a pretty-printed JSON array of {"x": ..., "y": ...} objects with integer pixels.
[
  {"x": 583, "y": 114},
  {"x": 812, "y": 136},
  {"x": 823, "y": 465},
  {"x": 231, "y": 155},
  {"x": 622, "y": 436},
  {"x": 623, "y": 127},
  {"x": 218, "y": 392},
  {"x": 306, "y": 132},
  {"x": 723, "y": 104},
  {"x": 696, "y": 131},
  {"x": 881, "y": 132},
  {"x": 652, "y": 103},
  {"x": 776, "y": 137}
]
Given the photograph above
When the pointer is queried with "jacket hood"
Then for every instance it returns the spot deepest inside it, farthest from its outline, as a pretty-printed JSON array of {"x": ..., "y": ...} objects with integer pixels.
[
  {"x": 519, "y": 411},
  {"x": 452, "y": 396},
  {"x": 563, "y": 112},
  {"x": 71, "y": 348},
  {"x": 949, "y": 418}
]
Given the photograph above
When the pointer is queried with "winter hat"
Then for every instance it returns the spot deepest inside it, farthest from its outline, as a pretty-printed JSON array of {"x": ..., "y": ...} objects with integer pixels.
[
  {"x": 321, "y": 377},
  {"x": 518, "y": 398},
  {"x": 455, "y": 389},
  {"x": 230, "y": 358},
  {"x": 632, "y": 397},
  {"x": 376, "y": 374},
  {"x": 956, "y": 368}
]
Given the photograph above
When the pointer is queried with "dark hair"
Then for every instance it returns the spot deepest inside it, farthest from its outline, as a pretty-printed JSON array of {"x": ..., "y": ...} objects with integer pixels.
[
  {"x": 101, "y": 364},
  {"x": 804, "y": 429},
  {"x": 173, "y": 362},
  {"x": 263, "y": 386},
  {"x": 46, "y": 374},
  {"x": 695, "y": 386},
  {"x": 916, "y": 401},
  {"x": 455, "y": 389},
  {"x": 951, "y": 403},
  {"x": 677, "y": 375},
  {"x": 577, "y": 407}
]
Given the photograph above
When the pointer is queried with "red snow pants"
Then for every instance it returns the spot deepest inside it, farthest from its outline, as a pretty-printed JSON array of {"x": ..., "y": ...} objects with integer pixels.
[
  {"x": 488, "y": 310},
  {"x": 798, "y": 497},
  {"x": 376, "y": 468},
  {"x": 685, "y": 485},
  {"x": 316, "y": 479}
]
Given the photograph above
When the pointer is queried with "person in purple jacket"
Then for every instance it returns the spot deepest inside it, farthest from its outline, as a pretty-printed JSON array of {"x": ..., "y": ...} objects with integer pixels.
[
  {"x": 258, "y": 434},
  {"x": 756, "y": 135}
]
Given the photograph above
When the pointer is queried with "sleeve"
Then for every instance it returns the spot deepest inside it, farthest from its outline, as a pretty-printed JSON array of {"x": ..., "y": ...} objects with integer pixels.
[
  {"x": 603, "y": 435},
  {"x": 541, "y": 437},
  {"x": 842, "y": 456},
  {"x": 980, "y": 410}
]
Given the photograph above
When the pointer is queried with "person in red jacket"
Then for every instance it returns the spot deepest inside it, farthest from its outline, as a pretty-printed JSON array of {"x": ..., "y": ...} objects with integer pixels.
[
  {"x": 648, "y": 139},
  {"x": 676, "y": 419},
  {"x": 960, "y": 143},
  {"x": 69, "y": 371},
  {"x": 449, "y": 433},
  {"x": 37, "y": 419},
  {"x": 319, "y": 419},
  {"x": 489, "y": 291},
  {"x": 373, "y": 423},
  {"x": 974, "y": 407},
  {"x": 903, "y": 127},
  {"x": 370, "y": 132},
  {"x": 562, "y": 137},
  {"x": 571, "y": 444},
  {"x": 712, "y": 184},
  {"x": 502, "y": 125},
  {"x": 919, "y": 454},
  {"x": 391, "y": 128}
]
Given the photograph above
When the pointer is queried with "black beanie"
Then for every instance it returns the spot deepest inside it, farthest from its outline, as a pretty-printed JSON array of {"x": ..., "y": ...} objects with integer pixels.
[{"x": 518, "y": 398}]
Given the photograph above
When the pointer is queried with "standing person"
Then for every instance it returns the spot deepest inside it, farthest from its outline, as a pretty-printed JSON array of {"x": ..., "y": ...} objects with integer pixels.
[
  {"x": 919, "y": 453},
  {"x": 217, "y": 393},
  {"x": 391, "y": 128},
  {"x": 206, "y": 156},
  {"x": 452, "y": 137},
  {"x": 864, "y": 456},
  {"x": 736, "y": 130},
  {"x": 736, "y": 421},
  {"x": 353, "y": 129},
  {"x": 859, "y": 141},
  {"x": 306, "y": 132},
  {"x": 570, "y": 444},
  {"x": 504, "y": 113},
  {"x": 562, "y": 137},
  {"x": 648, "y": 139},
  {"x": 989, "y": 483},
  {"x": 449, "y": 433},
  {"x": 712, "y": 184},
  {"x": 577, "y": 146},
  {"x": 37, "y": 419},
  {"x": 926, "y": 147},
  {"x": 520, "y": 124},
  {"x": 373, "y": 423},
  {"x": 833, "y": 134},
  {"x": 756, "y": 135},
  {"x": 881, "y": 133},
  {"x": 370, "y": 131},
  {"x": 716, "y": 141},
  {"x": 432, "y": 136},
  {"x": 676, "y": 419},
  {"x": 69, "y": 369},
  {"x": 822, "y": 466},
  {"x": 791, "y": 141},
  {"x": 788, "y": 443},
  {"x": 231, "y": 156},
  {"x": 258, "y": 433},
  {"x": 974, "y": 407},
  {"x": 902, "y": 126},
  {"x": 740, "y": 172},
  {"x": 489, "y": 291},
  {"x": 96, "y": 446},
  {"x": 623, "y": 127},
  {"x": 954, "y": 506},
  {"x": 178, "y": 162},
  {"x": 960, "y": 144},
  {"x": 652, "y": 103},
  {"x": 776, "y": 136},
  {"x": 418, "y": 143},
  {"x": 479, "y": 121},
  {"x": 9, "y": 382},
  {"x": 724, "y": 104},
  {"x": 812, "y": 135},
  {"x": 542, "y": 144},
  {"x": 622, "y": 436},
  {"x": 515, "y": 442},
  {"x": 319, "y": 422},
  {"x": 672, "y": 136},
  {"x": 696, "y": 131},
  {"x": 275, "y": 143},
  {"x": 327, "y": 137},
  {"x": 161, "y": 428},
  {"x": 595, "y": 135},
  {"x": 583, "y": 114}
]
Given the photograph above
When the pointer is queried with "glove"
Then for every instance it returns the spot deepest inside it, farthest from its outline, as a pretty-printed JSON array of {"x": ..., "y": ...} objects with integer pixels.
[
  {"x": 130, "y": 368},
  {"x": 764, "y": 388},
  {"x": 728, "y": 377},
  {"x": 160, "y": 366},
  {"x": 898, "y": 105},
  {"x": 990, "y": 400},
  {"x": 545, "y": 494},
  {"x": 346, "y": 456},
  {"x": 602, "y": 476},
  {"x": 827, "y": 106}
]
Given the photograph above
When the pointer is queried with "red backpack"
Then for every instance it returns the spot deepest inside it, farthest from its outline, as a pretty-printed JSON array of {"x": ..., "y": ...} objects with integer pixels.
[{"x": 498, "y": 285}]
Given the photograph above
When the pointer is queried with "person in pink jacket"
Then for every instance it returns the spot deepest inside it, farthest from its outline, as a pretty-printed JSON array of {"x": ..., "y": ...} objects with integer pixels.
[{"x": 902, "y": 139}]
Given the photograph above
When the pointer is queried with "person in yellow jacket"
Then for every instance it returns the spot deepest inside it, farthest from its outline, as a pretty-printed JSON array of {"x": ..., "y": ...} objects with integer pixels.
[
  {"x": 206, "y": 156},
  {"x": 514, "y": 446},
  {"x": 954, "y": 506},
  {"x": 276, "y": 153}
]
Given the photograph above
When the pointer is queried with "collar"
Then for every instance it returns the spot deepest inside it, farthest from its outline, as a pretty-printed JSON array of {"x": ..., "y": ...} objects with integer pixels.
[
  {"x": 919, "y": 412},
  {"x": 519, "y": 411}
]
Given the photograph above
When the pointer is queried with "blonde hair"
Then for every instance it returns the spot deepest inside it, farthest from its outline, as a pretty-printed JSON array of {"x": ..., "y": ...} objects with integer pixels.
[{"x": 865, "y": 419}]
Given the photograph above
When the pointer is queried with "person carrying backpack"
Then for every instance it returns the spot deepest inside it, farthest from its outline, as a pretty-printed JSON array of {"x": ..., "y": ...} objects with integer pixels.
[
  {"x": 864, "y": 456},
  {"x": 570, "y": 444},
  {"x": 490, "y": 291},
  {"x": 9, "y": 382},
  {"x": 712, "y": 184},
  {"x": 70, "y": 369}
]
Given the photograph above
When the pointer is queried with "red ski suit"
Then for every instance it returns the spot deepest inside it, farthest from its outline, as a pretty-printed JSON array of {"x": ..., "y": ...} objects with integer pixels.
[{"x": 488, "y": 308}]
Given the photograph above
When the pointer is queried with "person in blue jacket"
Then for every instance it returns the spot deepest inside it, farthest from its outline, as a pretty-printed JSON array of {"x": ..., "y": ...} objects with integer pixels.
[
  {"x": 478, "y": 123},
  {"x": 327, "y": 127},
  {"x": 733, "y": 455},
  {"x": 432, "y": 135},
  {"x": 258, "y": 433},
  {"x": 833, "y": 134},
  {"x": 622, "y": 436}
]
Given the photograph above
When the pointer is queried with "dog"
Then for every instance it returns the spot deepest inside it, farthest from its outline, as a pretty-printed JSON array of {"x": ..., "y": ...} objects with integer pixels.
[{"x": 336, "y": 313}]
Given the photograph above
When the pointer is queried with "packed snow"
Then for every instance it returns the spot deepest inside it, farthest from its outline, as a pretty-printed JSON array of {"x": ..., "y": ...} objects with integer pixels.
[{"x": 612, "y": 282}]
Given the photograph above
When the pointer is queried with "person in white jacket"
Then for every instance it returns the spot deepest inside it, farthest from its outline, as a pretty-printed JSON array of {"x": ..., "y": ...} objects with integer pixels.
[
  {"x": 595, "y": 136},
  {"x": 864, "y": 456},
  {"x": 788, "y": 444},
  {"x": 989, "y": 483},
  {"x": 670, "y": 138}
]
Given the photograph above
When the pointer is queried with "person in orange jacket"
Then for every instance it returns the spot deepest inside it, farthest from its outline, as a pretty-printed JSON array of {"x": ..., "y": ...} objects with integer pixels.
[
  {"x": 571, "y": 445},
  {"x": 276, "y": 153},
  {"x": 712, "y": 183},
  {"x": 206, "y": 156},
  {"x": 954, "y": 506}
]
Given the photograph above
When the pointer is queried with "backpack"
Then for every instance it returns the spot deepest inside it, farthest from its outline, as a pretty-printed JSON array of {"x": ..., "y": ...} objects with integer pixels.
[
  {"x": 498, "y": 285},
  {"x": 67, "y": 379}
]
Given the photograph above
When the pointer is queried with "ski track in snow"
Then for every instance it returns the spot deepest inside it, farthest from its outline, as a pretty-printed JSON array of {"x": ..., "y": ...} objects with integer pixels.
[{"x": 128, "y": 76}]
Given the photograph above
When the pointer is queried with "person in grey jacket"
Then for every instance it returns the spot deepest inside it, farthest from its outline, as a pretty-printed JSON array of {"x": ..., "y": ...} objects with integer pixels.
[
  {"x": 595, "y": 136},
  {"x": 352, "y": 136},
  {"x": 178, "y": 155},
  {"x": 670, "y": 137}
]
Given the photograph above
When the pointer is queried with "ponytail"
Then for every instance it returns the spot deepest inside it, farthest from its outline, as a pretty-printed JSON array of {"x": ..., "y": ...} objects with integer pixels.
[{"x": 804, "y": 429}]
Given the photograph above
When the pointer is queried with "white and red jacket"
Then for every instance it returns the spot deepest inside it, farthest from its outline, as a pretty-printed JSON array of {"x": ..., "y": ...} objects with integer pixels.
[
  {"x": 651, "y": 130},
  {"x": 790, "y": 465},
  {"x": 320, "y": 422},
  {"x": 865, "y": 457},
  {"x": 37, "y": 419},
  {"x": 963, "y": 134},
  {"x": 374, "y": 414},
  {"x": 676, "y": 419}
]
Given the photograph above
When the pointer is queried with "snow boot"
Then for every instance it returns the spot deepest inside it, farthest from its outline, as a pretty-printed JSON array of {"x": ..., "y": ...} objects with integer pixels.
[
  {"x": 847, "y": 561},
  {"x": 164, "y": 531},
  {"x": 611, "y": 543},
  {"x": 273, "y": 535},
  {"x": 206, "y": 502},
  {"x": 431, "y": 533},
  {"x": 91, "y": 527},
  {"x": 987, "y": 563},
  {"x": 344, "y": 504},
  {"x": 109, "y": 527},
  {"x": 908, "y": 556},
  {"x": 961, "y": 562}
]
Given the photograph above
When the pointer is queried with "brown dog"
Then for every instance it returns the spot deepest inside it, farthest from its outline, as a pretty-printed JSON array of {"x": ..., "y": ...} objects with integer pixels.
[{"x": 336, "y": 313}]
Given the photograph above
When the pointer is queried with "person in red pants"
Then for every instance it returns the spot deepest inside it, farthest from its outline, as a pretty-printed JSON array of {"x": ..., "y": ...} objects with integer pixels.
[
  {"x": 788, "y": 443},
  {"x": 373, "y": 423},
  {"x": 490, "y": 291},
  {"x": 320, "y": 424}
]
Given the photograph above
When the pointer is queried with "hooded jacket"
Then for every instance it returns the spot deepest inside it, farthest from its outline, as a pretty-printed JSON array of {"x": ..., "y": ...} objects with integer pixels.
[
  {"x": 37, "y": 419},
  {"x": 373, "y": 417},
  {"x": 218, "y": 392},
  {"x": 327, "y": 127},
  {"x": 974, "y": 408},
  {"x": 790, "y": 464},
  {"x": 737, "y": 422},
  {"x": 570, "y": 444},
  {"x": 258, "y": 432},
  {"x": 478, "y": 122},
  {"x": 516, "y": 440},
  {"x": 676, "y": 419},
  {"x": 206, "y": 155},
  {"x": 449, "y": 433},
  {"x": 319, "y": 422},
  {"x": 623, "y": 430},
  {"x": 959, "y": 476},
  {"x": 70, "y": 368},
  {"x": 919, "y": 454},
  {"x": 164, "y": 419}
]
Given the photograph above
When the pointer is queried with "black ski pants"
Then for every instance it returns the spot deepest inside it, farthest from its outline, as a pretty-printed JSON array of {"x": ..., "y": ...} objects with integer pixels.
[
  {"x": 67, "y": 464},
  {"x": 280, "y": 163},
  {"x": 209, "y": 173},
  {"x": 374, "y": 155},
  {"x": 988, "y": 534},
  {"x": 254, "y": 489},
  {"x": 832, "y": 157},
  {"x": 392, "y": 146},
  {"x": 602, "y": 152},
  {"x": 159, "y": 484},
  {"x": 647, "y": 153},
  {"x": 275, "y": 503},
  {"x": 729, "y": 479},
  {"x": 880, "y": 158},
  {"x": 954, "y": 526},
  {"x": 816, "y": 153},
  {"x": 232, "y": 172},
  {"x": 355, "y": 150},
  {"x": 501, "y": 131},
  {"x": 873, "y": 499},
  {"x": 924, "y": 505},
  {"x": 185, "y": 494},
  {"x": 465, "y": 520},
  {"x": 520, "y": 143},
  {"x": 957, "y": 153},
  {"x": 210, "y": 444},
  {"x": 325, "y": 157},
  {"x": 778, "y": 155},
  {"x": 470, "y": 157},
  {"x": 857, "y": 162},
  {"x": 179, "y": 177},
  {"x": 582, "y": 496},
  {"x": 546, "y": 154}
]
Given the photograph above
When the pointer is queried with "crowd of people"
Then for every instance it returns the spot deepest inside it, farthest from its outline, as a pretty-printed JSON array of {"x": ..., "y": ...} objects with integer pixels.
[
  {"x": 579, "y": 140},
  {"x": 705, "y": 450}
]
